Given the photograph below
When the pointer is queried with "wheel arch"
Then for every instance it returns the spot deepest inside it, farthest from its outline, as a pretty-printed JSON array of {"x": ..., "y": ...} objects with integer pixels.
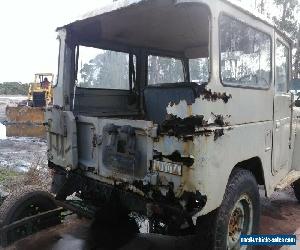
[{"x": 253, "y": 165}]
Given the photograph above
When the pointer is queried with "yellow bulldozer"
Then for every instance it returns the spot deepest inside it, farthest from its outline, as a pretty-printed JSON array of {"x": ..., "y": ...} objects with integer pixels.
[
  {"x": 27, "y": 118},
  {"x": 40, "y": 92}
]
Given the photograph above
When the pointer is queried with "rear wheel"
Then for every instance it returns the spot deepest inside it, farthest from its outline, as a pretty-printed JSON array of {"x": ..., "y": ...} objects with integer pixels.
[
  {"x": 239, "y": 212},
  {"x": 27, "y": 201},
  {"x": 296, "y": 187}
]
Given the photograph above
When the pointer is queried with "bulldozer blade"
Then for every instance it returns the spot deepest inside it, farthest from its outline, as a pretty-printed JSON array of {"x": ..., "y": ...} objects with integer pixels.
[
  {"x": 25, "y": 130},
  {"x": 25, "y": 122},
  {"x": 25, "y": 114}
]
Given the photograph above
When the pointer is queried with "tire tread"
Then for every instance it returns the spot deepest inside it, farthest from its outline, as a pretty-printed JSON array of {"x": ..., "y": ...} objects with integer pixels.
[
  {"x": 237, "y": 178},
  {"x": 15, "y": 198}
]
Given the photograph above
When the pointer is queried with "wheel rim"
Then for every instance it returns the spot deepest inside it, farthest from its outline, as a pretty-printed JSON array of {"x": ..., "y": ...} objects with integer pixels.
[{"x": 240, "y": 222}]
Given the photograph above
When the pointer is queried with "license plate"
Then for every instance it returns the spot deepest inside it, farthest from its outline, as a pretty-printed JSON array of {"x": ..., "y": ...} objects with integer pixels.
[{"x": 167, "y": 167}]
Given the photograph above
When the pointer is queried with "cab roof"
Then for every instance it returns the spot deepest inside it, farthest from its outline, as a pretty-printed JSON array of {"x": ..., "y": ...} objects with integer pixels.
[{"x": 121, "y": 5}]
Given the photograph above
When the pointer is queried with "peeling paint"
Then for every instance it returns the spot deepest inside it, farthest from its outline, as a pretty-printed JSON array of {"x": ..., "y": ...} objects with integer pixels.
[
  {"x": 188, "y": 127},
  {"x": 177, "y": 126},
  {"x": 209, "y": 95},
  {"x": 220, "y": 120},
  {"x": 178, "y": 158},
  {"x": 218, "y": 133},
  {"x": 206, "y": 94}
]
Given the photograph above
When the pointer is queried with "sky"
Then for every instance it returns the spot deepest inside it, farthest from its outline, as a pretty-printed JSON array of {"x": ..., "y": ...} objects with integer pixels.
[{"x": 28, "y": 42}]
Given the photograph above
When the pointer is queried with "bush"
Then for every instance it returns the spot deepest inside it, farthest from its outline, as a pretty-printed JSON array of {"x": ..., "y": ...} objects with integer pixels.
[{"x": 14, "y": 88}]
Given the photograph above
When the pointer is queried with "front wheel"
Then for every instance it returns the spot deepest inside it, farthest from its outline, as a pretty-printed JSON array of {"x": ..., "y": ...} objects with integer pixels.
[
  {"x": 296, "y": 187},
  {"x": 239, "y": 213}
]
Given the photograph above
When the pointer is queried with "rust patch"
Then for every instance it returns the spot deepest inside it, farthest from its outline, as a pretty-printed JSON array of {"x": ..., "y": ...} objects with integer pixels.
[
  {"x": 218, "y": 133},
  {"x": 202, "y": 91},
  {"x": 208, "y": 94},
  {"x": 214, "y": 96},
  {"x": 190, "y": 110},
  {"x": 220, "y": 120},
  {"x": 176, "y": 157},
  {"x": 187, "y": 128},
  {"x": 178, "y": 126}
]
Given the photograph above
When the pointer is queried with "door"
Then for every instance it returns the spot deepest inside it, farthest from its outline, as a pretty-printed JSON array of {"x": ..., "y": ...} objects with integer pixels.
[{"x": 282, "y": 108}]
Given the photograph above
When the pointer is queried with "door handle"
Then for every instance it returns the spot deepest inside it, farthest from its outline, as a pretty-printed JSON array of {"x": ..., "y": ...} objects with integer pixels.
[{"x": 277, "y": 124}]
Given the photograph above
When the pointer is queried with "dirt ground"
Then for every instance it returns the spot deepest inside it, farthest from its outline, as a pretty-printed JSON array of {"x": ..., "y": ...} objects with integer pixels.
[{"x": 280, "y": 214}]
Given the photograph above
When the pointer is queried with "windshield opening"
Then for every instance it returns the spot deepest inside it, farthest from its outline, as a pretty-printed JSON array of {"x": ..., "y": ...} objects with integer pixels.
[
  {"x": 105, "y": 69},
  {"x": 164, "y": 70},
  {"x": 199, "y": 70}
]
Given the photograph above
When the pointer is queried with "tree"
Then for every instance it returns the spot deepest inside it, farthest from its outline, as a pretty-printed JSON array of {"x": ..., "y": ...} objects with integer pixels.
[
  {"x": 106, "y": 70},
  {"x": 286, "y": 21},
  {"x": 296, "y": 64},
  {"x": 13, "y": 88},
  {"x": 165, "y": 70},
  {"x": 260, "y": 6},
  {"x": 283, "y": 14}
]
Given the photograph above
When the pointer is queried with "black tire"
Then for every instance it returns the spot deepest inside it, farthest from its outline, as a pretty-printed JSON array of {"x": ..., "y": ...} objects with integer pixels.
[
  {"x": 27, "y": 201},
  {"x": 242, "y": 189},
  {"x": 296, "y": 187}
]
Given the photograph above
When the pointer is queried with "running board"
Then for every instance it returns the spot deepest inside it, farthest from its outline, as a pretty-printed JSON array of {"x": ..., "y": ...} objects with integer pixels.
[{"x": 288, "y": 180}]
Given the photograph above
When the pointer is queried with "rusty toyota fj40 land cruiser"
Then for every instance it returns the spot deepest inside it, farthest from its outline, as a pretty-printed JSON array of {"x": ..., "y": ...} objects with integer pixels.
[{"x": 179, "y": 106}]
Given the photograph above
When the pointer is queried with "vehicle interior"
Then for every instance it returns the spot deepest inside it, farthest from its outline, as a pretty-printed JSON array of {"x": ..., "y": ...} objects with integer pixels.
[{"x": 125, "y": 66}]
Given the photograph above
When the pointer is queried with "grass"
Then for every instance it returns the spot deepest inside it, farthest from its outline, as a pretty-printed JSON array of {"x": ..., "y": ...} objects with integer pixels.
[
  {"x": 11, "y": 179},
  {"x": 7, "y": 175}
]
